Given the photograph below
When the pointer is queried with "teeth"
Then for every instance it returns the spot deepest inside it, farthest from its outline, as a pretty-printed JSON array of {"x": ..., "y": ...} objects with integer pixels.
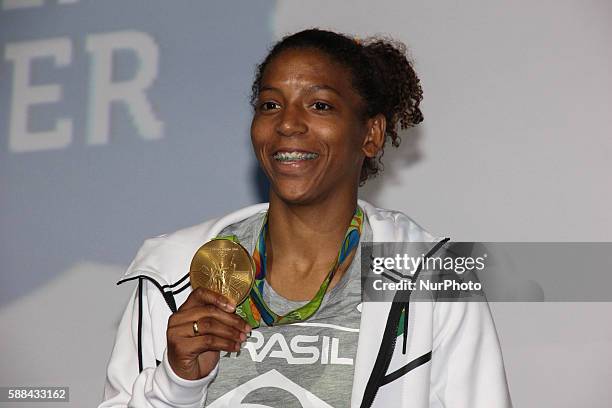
[{"x": 293, "y": 156}]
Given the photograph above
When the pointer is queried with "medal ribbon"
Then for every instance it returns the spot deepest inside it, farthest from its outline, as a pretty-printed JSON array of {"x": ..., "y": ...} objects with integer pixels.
[{"x": 254, "y": 308}]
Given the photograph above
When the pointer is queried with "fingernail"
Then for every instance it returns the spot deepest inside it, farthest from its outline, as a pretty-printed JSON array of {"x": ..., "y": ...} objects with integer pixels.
[
  {"x": 229, "y": 307},
  {"x": 243, "y": 336}
]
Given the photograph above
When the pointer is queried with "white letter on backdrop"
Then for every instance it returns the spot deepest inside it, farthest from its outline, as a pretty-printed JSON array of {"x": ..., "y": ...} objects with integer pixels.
[
  {"x": 132, "y": 93},
  {"x": 26, "y": 95}
]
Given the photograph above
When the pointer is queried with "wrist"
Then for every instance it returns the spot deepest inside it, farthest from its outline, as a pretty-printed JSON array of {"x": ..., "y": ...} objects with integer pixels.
[{"x": 180, "y": 390}]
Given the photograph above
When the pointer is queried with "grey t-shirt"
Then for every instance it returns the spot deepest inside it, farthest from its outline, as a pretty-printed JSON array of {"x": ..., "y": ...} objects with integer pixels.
[{"x": 308, "y": 364}]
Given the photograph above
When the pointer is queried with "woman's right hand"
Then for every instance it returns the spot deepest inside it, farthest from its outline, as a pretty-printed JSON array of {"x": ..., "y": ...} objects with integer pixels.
[{"x": 193, "y": 356}]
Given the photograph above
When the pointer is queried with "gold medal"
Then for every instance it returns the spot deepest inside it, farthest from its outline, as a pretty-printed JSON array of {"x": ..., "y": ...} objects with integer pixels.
[{"x": 225, "y": 267}]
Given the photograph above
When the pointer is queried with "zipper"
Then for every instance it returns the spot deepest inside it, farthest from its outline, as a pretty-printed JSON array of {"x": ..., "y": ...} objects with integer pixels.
[
  {"x": 387, "y": 346},
  {"x": 385, "y": 353}
]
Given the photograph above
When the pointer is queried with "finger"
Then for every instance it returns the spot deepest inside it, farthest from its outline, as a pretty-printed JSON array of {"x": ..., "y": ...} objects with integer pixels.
[
  {"x": 208, "y": 311},
  {"x": 201, "y": 344},
  {"x": 209, "y": 326},
  {"x": 202, "y": 296}
]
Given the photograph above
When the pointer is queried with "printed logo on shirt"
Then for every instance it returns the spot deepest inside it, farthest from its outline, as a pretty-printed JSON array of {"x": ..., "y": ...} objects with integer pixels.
[
  {"x": 272, "y": 379},
  {"x": 302, "y": 364},
  {"x": 300, "y": 349}
]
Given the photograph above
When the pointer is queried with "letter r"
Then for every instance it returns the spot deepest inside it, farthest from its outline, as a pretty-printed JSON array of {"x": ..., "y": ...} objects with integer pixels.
[{"x": 132, "y": 92}]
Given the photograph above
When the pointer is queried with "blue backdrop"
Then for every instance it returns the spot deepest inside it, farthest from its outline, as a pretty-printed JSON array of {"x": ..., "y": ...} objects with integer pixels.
[{"x": 142, "y": 155}]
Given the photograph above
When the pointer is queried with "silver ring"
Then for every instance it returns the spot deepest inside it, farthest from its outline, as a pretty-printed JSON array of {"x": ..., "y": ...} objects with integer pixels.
[{"x": 196, "y": 329}]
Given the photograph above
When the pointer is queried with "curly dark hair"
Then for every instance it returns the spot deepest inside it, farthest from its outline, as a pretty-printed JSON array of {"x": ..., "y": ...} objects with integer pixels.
[{"x": 381, "y": 73}]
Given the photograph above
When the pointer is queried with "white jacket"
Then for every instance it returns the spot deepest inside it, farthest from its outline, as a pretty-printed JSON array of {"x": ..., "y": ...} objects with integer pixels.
[{"x": 453, "y": 358}]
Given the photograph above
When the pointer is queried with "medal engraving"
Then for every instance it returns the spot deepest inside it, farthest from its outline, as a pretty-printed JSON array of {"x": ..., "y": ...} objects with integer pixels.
[{"x": 225, "y": 267}]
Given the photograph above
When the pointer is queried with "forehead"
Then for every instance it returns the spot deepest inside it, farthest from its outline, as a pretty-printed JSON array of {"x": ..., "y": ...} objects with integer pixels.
[{"x": 307, "y": 66}]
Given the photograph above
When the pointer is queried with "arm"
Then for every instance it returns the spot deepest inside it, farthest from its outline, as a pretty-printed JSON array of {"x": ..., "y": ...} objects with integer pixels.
[
  {"x": 467, "y": 365},
  {"x": 154, "y": 387}
]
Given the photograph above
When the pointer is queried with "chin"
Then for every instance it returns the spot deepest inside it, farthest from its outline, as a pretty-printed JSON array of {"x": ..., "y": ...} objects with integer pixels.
[{"x": 295, "y": 195}]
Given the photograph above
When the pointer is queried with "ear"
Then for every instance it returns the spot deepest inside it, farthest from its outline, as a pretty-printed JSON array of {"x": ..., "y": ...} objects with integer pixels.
[{"x": 375, "y": 138}]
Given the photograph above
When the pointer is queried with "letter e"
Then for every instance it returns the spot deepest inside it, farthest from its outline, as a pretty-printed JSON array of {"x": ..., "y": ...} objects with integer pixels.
[{"x": 26, "y": 95}]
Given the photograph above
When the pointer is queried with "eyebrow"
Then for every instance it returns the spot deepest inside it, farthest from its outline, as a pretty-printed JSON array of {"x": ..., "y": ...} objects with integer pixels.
[{"x": 310, "y": 89}]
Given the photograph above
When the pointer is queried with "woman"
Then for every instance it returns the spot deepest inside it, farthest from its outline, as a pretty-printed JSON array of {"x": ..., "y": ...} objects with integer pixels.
[{"x": 323, "y": 106}]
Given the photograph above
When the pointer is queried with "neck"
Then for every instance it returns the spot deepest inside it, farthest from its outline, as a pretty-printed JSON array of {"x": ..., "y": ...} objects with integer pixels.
[{"x": 303, "y": 239}]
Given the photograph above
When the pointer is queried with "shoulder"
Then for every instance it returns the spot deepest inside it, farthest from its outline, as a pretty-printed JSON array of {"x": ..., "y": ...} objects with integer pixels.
[{"x": 393, "y": 225}]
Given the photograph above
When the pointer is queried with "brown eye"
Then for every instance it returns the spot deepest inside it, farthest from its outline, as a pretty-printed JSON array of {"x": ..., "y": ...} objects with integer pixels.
[
  {"x": 321, "y": 106},
  {"x": 268, "y": 105}
]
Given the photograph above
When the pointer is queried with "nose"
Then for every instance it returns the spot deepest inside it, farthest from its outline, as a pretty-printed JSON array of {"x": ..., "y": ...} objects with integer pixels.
[{"x": 291, "y": 121}]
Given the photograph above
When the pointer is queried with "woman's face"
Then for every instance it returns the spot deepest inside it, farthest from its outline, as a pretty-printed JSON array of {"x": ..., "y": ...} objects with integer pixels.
[{"x": 307, "y": 131}]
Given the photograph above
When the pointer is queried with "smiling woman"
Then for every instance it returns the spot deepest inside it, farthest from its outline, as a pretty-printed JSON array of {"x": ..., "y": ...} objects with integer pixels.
[
  {"x": 372, "y": 77},
  {"x": 324, "y": 104}
]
